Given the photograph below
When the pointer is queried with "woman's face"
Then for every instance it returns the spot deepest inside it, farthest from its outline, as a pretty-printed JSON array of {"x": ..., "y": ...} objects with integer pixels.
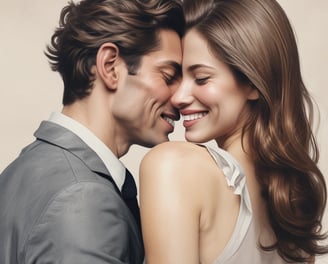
[{"x": 213, "y": 104}]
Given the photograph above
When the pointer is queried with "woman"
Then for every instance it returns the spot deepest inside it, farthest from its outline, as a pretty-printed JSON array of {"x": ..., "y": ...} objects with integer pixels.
[{"x": 259, "y": 196}]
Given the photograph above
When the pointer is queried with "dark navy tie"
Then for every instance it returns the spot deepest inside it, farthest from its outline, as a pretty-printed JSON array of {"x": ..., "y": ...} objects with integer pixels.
[{"x": 129, "y": 195}]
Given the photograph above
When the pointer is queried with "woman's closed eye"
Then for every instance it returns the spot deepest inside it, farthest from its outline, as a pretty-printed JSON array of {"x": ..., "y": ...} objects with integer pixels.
[{"x": 202, "y": 80}]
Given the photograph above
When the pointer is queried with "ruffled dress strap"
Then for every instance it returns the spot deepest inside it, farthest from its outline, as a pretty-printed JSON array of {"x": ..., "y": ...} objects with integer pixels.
[{"x": 235, "y": 179}]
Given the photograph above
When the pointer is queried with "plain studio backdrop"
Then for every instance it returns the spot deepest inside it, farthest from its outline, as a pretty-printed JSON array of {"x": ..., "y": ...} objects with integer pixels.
[{"x": 30, "y": 91}]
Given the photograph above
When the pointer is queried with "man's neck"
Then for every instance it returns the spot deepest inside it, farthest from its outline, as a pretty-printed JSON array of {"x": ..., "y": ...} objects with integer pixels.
[{"x": 97, "y": 120}]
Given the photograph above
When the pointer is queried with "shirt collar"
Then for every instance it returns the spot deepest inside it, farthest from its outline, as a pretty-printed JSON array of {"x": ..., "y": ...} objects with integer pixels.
[{"x": 112, "y": 163}]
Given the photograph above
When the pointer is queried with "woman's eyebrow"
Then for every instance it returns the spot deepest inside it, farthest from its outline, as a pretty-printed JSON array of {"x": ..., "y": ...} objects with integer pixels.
[{"x": 197, "y": 66}]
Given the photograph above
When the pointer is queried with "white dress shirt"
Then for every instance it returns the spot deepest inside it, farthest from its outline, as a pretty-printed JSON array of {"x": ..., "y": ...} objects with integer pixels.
[{"x": 112, "y": 163}]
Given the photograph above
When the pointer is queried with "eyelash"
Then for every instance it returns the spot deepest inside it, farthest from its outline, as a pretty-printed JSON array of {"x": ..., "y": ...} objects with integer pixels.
[
  {"x": 201, "y": 81},
  {"x": 169, "y": 79}
]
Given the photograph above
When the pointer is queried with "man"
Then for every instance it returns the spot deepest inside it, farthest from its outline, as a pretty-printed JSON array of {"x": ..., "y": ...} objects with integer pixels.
[{"x": 67, "y": 198}]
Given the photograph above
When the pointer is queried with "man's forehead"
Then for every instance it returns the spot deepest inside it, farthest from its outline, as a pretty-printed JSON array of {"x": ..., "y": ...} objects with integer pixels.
[
  {"x": 169, "y": 64},
  {"x": 169, "y": 47},
  {"x": 169, "y": 39}
]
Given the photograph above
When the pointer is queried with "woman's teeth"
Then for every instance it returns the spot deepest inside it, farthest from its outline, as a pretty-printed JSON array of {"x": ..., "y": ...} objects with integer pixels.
[{"x": 193, "y": 116}]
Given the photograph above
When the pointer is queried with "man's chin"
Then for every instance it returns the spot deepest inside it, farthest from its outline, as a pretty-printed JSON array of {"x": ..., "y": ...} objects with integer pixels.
[{"x": 158, "y": 141}]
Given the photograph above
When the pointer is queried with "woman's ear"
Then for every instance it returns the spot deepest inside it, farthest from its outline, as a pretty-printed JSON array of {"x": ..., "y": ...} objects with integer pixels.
[
  {"x": 106, "y": 62},
  {"x": 253, "y": 93}
]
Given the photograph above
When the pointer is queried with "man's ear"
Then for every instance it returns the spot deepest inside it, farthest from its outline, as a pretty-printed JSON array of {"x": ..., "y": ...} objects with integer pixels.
[{"x": 107, "y": 60}]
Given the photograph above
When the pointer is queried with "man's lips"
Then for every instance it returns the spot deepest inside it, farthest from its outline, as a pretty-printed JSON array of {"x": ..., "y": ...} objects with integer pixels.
[{"x": 170, "y": 118}]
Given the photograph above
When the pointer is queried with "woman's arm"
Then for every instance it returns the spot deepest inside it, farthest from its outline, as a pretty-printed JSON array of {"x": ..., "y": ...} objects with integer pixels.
[{"x": 171, "y": 198}]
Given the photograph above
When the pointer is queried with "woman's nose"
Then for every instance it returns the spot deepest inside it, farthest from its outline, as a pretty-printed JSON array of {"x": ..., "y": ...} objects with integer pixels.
[{"x": 182, "y": 96}]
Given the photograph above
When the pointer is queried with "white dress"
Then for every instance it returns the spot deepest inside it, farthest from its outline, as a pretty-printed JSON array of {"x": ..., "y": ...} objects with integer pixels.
[{"x": 242, "y": 248}]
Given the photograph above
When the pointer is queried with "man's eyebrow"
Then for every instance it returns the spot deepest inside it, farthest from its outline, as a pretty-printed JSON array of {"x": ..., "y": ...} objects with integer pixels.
[{"x": 173, "y": 65}]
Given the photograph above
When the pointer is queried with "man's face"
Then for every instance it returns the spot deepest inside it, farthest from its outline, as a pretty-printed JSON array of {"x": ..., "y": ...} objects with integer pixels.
[{"x": 142, "y": 107}]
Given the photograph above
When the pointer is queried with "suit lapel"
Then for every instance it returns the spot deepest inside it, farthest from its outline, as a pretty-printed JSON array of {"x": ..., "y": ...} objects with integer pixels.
[{"x": 63, "y": 138}]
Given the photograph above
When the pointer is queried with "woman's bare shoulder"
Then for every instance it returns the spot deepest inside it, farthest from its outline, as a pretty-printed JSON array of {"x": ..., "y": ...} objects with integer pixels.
[
  {"x": 179, "y": 152},
  {"x": 180, "y": 162}
]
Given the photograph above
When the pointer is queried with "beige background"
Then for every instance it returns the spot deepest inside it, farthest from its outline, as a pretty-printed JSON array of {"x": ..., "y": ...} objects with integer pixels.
[{"x": 30, "y": 90}]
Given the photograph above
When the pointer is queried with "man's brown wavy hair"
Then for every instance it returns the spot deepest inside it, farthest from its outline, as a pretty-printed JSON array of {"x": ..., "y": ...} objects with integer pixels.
[{"x": 132, "y": 25}]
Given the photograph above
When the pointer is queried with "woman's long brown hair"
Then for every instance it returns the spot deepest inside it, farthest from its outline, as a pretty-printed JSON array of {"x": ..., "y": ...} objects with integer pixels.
[{"x": 255, "y": 38}]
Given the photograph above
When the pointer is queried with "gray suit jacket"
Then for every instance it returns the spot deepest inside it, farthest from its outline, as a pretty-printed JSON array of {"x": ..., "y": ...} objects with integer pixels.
[{"x": 59, "y": 204}]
